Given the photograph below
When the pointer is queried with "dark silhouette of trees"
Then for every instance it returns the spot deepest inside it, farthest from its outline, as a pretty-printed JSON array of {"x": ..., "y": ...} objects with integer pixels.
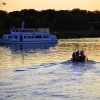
[
  {"x": 47, "y": 17},
  {"x": 62, "y": 20},
  {"x": 71, "y": 20}
]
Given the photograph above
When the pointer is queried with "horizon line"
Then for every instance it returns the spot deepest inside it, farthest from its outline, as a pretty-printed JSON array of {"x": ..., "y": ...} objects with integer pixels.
[{"x": 50, "y": 9}]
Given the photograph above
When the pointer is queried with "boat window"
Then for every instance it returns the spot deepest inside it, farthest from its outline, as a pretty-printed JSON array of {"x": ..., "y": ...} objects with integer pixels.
[
  {"x": 45, "y": 36},
  {"x": 32, "y": 36},
  {"x": 38, "y": 36},
  {"x": 25, "y": 37},
  {"x": 15, "y": 37},
  {"x": 9, "y": 36},
  {"x": 29, "y": 37}
]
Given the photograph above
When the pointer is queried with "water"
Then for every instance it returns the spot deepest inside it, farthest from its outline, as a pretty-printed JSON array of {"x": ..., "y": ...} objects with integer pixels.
[{"x": 45, "y": 72}]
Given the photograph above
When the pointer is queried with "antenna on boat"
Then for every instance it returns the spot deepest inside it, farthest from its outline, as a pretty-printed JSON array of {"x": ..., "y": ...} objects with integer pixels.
[{"x": 23, "y": 24}]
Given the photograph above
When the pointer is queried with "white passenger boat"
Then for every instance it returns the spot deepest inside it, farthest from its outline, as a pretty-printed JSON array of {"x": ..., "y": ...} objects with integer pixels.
[{"x": 29, "y": 35}]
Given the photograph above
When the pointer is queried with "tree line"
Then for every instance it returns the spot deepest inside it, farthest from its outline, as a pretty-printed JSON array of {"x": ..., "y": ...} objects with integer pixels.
[{"x": 58, "y": 21}]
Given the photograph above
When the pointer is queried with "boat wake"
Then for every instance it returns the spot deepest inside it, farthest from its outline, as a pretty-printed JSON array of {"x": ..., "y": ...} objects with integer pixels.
[
  {"x": 48, "y": 81},
  {"x": 67, "y": 64}
]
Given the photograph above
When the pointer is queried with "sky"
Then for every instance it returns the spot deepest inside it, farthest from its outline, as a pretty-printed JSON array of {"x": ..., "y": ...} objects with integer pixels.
[{"x": 14, "y": 5}]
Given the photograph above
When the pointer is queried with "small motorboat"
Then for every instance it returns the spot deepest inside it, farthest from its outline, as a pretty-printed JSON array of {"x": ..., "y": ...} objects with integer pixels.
[{"x": 79, "y": 56}]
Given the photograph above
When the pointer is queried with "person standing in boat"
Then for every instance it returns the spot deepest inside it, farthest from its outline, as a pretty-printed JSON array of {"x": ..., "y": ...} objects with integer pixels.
[
  {"x": 75, "y": 55},
  {"x": 83, "y": 55},
  {"x": 79, "y": 56}
]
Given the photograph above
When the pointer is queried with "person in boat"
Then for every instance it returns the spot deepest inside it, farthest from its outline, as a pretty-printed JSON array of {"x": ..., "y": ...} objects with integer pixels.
[{"x": 79, "y": 56}]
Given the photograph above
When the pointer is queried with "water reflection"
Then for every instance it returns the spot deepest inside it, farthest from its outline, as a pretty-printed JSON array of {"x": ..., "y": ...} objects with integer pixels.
[
  {"x": 28, "y": 47},
  {"x": 80, "y": 68},
  {"x": 18, "y": 55},
  {"x": 91, "y": 48},
  {"x": 44, "y": 72}
]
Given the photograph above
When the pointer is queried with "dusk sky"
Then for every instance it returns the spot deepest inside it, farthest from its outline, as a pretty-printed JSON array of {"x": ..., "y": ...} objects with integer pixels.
[{"x": 13, "y": 5}]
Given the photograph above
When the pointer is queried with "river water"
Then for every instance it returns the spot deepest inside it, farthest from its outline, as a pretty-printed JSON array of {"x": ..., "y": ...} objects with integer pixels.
[{"x": 45, "y": 72}]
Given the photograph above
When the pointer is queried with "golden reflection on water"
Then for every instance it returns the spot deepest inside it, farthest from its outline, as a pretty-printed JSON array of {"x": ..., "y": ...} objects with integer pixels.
[
  {"x": 44, "y": 79},
  {"x": 16, "y": 57}
]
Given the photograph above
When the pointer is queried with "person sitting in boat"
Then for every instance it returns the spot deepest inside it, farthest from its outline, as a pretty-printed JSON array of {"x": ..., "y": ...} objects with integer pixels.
[{"x": 79, "y": 56}]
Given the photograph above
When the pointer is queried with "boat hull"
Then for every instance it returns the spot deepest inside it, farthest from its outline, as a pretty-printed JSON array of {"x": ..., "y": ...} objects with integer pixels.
[
  {"x": 21, "y": 42},
  {"x": 80, "y": 60}
]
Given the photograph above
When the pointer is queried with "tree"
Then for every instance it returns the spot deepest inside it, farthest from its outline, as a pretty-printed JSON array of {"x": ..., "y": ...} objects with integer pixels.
[{"x": 2, "y": 4}]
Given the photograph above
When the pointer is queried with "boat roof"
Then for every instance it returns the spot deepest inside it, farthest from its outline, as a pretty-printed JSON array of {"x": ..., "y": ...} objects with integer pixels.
[
  {"x": 29, "y": 30},
  {"x": 35, "y": 33}
]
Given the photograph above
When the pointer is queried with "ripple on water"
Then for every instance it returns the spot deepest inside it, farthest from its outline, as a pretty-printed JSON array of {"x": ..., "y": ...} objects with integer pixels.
[{"x": 46, "y": 74}]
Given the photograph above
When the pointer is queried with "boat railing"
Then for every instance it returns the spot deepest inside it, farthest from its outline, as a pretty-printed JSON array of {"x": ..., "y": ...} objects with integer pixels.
[{"x": 42, "y": 30}]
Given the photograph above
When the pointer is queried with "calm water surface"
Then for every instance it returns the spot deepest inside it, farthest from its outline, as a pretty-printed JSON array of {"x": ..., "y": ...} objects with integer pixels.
[{"x": 45, "y": 72}]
